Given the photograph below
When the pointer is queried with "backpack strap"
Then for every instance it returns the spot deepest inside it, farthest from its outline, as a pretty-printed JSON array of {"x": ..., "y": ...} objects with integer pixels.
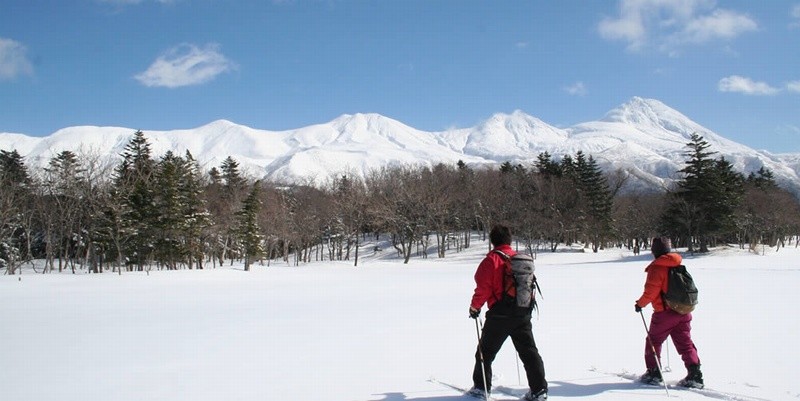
[{"x": 502, "y": 254}]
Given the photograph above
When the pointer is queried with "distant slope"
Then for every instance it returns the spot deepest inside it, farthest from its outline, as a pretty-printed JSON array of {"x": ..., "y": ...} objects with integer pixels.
[{"x": 644, "y": 137}]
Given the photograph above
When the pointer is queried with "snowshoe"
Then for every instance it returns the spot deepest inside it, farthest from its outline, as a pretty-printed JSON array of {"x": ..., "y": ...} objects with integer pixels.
[
  {"x": 539, "y": 396},
  {"x": 477, "y": 393},
  {"x": 653, "y": 377}
]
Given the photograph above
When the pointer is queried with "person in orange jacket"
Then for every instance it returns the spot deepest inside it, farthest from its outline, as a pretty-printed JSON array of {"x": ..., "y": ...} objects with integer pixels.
[
  {"x": 665, "y": 322},
  {"x": 503, "y": 320}
]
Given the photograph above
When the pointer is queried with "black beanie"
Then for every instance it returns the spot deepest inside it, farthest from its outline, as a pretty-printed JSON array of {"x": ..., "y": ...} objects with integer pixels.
[{"x": 661, "y": 246}]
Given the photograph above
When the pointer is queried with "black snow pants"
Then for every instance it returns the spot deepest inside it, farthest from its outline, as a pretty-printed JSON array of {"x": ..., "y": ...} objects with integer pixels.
[{"x": 494, "y": 334}]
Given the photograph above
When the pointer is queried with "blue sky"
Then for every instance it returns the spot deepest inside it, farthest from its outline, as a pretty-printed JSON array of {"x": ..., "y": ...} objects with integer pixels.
[{"x": 732, "y": 66}]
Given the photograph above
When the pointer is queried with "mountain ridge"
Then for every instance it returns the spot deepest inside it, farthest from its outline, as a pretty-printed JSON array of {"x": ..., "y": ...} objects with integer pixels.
[{"x": 643, "y": 137}]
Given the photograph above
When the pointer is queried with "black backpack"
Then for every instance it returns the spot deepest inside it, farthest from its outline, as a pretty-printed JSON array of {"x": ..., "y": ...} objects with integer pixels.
[
  {"x": 681, "y": 295},
  {"x": 519, "y": 283}
]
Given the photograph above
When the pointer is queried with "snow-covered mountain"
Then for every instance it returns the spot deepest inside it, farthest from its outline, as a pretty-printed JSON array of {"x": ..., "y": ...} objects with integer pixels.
[{"x": 643, "y": 137}]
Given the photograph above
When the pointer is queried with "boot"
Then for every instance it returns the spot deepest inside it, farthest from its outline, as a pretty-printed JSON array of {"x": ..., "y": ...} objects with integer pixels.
[
  {"x": 694, "y": 379},
  {"x": 652, "y": 376}
]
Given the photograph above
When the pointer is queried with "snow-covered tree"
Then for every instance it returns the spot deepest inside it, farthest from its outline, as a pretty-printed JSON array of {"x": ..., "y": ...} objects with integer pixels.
[{"x": 16, "y": 210}]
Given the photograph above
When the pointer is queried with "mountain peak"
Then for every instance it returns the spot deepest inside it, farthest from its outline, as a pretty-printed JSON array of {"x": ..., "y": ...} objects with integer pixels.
[
  {"x": 360, "y": 122},
  {"x": 220, "y": 124},
  {"x": 649, "y": 114},
  {"x": 642, "y": 111}
]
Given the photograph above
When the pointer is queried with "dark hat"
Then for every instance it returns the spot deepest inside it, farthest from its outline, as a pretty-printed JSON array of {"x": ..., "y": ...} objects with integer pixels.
[{"x": 661, "y": 246}]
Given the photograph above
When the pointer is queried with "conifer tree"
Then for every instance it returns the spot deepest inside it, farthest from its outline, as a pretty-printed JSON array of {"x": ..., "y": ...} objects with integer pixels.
[
  {"x": 763, "y": 178},
  {"x": 196, "y": 217},
  {"x": 706, "y": 198},
  {"x": 231, "y": 174},
  {"x": 231, "y": 191},
  {"x": 137, "y": 213},
  {"x": 546, "y": 166},
  {"x": 16, "y": 198},
  {"x": 13, "y": 171},
  {"x": 597, "y": 200},
  {"x": 247, "y": 230},
  {"x": 62, "y": 209},
  {"x": 167, "y": 198}
]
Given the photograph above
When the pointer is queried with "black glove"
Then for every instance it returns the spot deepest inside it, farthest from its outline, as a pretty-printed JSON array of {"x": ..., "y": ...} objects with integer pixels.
[
  {"x": 638, "y": 308},
  {"x": 474, "y": 313}
]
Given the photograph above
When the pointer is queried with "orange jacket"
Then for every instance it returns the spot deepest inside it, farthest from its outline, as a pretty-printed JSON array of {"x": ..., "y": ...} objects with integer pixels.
[{"x": 656, "y": 282}]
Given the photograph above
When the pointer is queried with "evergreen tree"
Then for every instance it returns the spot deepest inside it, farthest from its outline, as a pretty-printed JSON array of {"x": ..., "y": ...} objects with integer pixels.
[
  {"x": 231, "y": 175},
  {"x": 16, "y": 206},
  {"x": 64, "y": 169},
  {"x": 247, "y": 230},
  {"x": 729, "y": 185},
  {"x": 763, "y": 178},
  {"x": 182, "y": 214},
  {"x": 230, "y": 196},
  {"x": 196, "y": 217},
  {"x": 567, "y": 167},
  {"x": 137, "y": 213},
  {"x": 13, "y": 171},
  {"x": 546, "y": 166},
  {"x": 707, "y": 196},
  {"x": 63, "y": 211},
  {"x": 597, "y": 200},
  {"x": 215, "y": 176},
  {"x": 168, "y": 201}
]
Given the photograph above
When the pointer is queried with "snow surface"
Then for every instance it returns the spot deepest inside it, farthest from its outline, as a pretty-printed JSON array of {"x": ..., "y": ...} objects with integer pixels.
[{"x": 380, "y": 331}]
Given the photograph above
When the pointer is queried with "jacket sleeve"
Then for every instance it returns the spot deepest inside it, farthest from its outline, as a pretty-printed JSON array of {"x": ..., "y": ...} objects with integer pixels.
[
  {"x": 484, "y": 283},
  {"x": 652, "y": 286}
]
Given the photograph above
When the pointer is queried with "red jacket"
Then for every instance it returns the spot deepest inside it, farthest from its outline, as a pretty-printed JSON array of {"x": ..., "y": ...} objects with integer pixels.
[
  {"x": 489, "y": 278},
  {"x": 656, "y": 282}
]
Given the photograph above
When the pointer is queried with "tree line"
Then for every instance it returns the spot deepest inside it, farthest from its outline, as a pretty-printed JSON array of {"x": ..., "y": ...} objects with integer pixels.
[{"x": 166, "y": 213}]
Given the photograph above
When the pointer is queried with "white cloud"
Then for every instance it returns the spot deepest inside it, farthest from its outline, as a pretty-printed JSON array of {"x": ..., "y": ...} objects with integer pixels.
[
  {"x": 628, "y": 27},
  {"x": 793, "y": 129},
  {"x": 747, "y": 86},
  {"x": 13, "y": 59},
  {"x": 671, "y": 24},
  {"x": 720, "y": 24},
  {"x": 186, "y": 65},
  {"x": 794, "y": 12},
  {"x": 577, "y": 89},
  {"x": 793, "y": 86}
]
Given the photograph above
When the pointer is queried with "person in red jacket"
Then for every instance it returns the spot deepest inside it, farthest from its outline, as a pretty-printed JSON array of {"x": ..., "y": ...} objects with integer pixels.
[
  {"x": 503, "y": 320},
  {"x": 665, "y": 322}
]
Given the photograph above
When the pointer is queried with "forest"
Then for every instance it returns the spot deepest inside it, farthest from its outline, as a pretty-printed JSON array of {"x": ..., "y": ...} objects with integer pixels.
[{"x": 143, "y": 212}]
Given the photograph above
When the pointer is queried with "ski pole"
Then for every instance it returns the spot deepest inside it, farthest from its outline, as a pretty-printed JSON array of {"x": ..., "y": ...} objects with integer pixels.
[
  {"x": 653, "y": 347},
  {"x": 519, "y": 378},
  {"x": 478, "y": 328}
]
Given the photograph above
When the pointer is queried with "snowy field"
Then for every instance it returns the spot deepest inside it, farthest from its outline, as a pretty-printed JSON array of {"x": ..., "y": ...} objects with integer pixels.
[{"x": 384, "y": 330}]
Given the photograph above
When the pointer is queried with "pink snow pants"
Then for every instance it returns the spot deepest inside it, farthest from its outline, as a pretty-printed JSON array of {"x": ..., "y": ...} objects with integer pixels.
[{"x": 669, "y": 323}]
